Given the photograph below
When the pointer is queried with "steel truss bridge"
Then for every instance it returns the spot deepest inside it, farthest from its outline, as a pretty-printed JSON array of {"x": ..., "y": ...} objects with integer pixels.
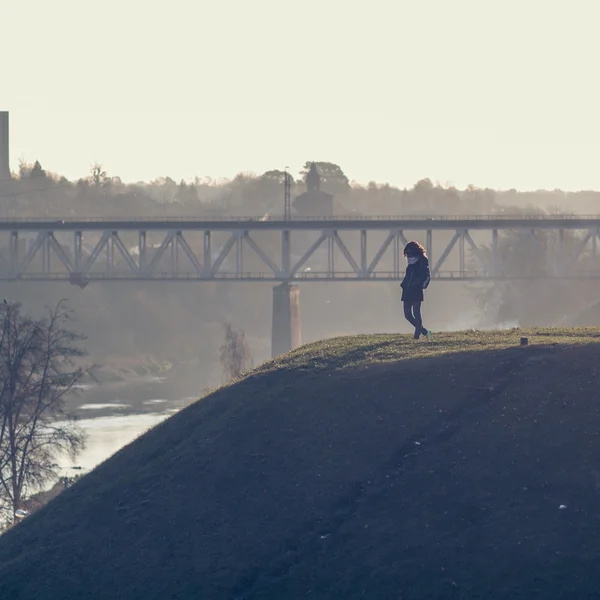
[{"x": 255, "y": 249}]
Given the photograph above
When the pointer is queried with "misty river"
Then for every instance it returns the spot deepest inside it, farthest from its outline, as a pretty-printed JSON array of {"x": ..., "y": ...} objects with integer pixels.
[{"x": 114, "y": 414}]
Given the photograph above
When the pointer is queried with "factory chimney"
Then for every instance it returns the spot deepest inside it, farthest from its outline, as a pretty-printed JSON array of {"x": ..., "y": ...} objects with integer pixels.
[{"x": 4, "y": 155}]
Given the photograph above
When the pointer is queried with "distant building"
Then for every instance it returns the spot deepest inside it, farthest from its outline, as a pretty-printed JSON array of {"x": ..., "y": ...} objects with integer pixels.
[
  {"x": 4, "y": 147},
  {"x": 314, "y": 202}
]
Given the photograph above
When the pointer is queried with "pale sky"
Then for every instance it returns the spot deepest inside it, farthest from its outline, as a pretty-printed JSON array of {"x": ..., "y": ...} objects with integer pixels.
[{"x": 499, "y": 93}]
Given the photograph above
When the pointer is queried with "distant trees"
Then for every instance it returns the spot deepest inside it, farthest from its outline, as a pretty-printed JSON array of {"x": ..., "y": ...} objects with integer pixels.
[
  {"x": 333, "y": 179},
  {"x": 423, "y": 187},
  {"x": 540, "y": 293},
  {"x": 234, "y": 353},
  {"x": 24, "y": 169},
  {"x": 275, "y": 175},
  {"x": 98, "y": 175},
  {"x": 99, "y": 194},
  {"x": 36, "y": 170},
  {"x": 38, "y": 370},
  {"x": 186, "y": 193},
  {"x": 31, "y": 171}
]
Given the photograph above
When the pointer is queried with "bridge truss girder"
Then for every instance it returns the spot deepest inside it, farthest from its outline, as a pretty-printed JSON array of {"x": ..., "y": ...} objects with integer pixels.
[{"x": 109, "y": 259}]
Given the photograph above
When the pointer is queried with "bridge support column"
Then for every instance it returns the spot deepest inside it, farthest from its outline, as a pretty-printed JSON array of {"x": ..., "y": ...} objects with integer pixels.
[{"x": 286, "y": 330}]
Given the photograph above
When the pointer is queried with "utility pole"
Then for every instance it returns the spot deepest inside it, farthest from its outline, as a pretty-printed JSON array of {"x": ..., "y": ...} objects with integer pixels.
[{"x": 287, "y": 196}]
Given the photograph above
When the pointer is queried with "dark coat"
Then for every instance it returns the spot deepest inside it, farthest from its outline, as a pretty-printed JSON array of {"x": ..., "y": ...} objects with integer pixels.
[{"x": 414, "y": 279}]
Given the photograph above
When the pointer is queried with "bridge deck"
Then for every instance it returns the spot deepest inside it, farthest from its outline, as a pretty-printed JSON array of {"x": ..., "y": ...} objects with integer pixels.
[{"x": 450, "y": 222}]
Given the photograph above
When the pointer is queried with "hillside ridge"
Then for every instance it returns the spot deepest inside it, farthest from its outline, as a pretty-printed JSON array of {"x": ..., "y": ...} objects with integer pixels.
[{"x": 360, "y": 466}]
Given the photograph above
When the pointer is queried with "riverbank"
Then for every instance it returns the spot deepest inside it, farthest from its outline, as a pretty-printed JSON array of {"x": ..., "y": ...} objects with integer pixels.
[
  {"x": 123, "y": 369},
  {"x": 114, "y": 413}
]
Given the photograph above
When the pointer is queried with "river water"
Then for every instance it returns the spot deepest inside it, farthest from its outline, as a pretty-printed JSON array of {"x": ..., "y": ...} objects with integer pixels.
[{"x": 115, "y": 414}]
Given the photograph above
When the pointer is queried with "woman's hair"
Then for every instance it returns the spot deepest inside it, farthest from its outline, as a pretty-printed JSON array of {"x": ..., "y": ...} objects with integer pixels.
[{"x": 413, "y": 249}]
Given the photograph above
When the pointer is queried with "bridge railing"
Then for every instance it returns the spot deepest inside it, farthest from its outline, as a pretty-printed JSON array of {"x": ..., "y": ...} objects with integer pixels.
[
  {"x": 279, "y": 218},
  {"x": 306, "y": 276}
]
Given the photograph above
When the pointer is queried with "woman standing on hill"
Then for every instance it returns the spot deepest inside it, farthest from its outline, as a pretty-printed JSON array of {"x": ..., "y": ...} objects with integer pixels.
[{"x": 415, "y": 280}]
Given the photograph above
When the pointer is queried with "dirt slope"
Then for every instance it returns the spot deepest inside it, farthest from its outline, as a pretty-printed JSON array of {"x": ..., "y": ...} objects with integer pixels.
[{"x": 371, "y": 467}]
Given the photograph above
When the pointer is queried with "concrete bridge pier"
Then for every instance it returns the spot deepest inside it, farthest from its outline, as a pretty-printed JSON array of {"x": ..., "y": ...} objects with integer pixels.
[{"x": 286, "y": 332}]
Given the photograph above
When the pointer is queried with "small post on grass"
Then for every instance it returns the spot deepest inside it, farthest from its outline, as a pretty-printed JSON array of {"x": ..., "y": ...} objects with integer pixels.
[{"x": 524, "y": 341}]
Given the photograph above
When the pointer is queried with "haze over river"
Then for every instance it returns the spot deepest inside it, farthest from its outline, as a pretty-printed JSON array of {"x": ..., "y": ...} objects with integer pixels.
[{"x": 114, "y": 414}]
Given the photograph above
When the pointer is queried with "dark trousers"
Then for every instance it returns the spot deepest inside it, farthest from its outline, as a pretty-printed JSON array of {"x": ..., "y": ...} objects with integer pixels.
[{"x": 412, "y": 312}]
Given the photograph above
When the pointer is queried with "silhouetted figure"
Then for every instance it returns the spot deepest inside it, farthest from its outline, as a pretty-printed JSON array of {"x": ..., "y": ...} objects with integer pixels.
[
  {"x": 313, "y": 180},
  {"x": 415, "y": 280}
]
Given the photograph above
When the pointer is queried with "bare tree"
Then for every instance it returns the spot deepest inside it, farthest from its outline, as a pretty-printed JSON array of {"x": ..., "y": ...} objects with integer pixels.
[
  {"x": 38, "y": 370},
  {"x": 235, "y": 354},
  {"x": 98, "y": 175}
]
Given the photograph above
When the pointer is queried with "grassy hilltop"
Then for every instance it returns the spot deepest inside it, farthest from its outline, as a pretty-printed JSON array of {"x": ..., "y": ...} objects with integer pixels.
[{"x": 367, "y": 467}]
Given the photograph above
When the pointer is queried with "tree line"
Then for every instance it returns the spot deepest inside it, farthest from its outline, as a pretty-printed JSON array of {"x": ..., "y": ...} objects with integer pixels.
[{"x": 100, "y": 193}]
